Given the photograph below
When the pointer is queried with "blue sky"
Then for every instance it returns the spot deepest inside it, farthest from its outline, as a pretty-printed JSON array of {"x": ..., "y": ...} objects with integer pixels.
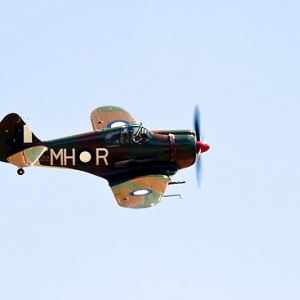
[{"x": 62, "y": 234}]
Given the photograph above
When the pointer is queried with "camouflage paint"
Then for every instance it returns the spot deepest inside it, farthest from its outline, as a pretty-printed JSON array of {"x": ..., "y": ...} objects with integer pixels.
[
  {"x": 141, "y": 192},
  {"x": 130, "y": 157}
]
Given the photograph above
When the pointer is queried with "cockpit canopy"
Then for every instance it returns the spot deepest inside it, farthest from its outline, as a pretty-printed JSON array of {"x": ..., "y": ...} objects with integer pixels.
[
  {"x": 135, "y": 133},
  {"x": 129, "y": 133}
]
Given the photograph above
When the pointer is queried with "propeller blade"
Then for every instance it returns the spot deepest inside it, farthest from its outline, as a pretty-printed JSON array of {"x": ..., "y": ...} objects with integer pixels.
[
  {"x": 199, "y": 169},
  {"x": 200, "y": 145},
  {"x": 197, "y": 125}
]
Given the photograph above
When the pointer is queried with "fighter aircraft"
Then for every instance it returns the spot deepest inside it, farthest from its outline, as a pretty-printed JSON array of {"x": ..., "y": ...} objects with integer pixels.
[{"x": 136, "y": 162}]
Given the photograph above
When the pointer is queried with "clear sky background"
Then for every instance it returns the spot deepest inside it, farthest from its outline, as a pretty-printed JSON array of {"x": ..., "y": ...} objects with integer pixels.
[{"x": 62, "y": 234}]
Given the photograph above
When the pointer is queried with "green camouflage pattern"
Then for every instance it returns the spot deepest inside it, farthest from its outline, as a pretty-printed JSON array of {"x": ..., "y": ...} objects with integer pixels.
[
  {"x": 128, "y": 155},
  {"x": 141, "y": 192},
  {"x": 101, "y": 117}
]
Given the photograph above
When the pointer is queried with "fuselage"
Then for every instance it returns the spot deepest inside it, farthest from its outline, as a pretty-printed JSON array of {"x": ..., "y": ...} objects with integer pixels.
[
  {"x": 117, "y": 153},
  {"x": 136, "y": 162}
]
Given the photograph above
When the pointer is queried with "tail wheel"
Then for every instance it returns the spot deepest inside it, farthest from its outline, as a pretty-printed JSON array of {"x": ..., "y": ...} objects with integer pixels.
[{"x": 20, "y": 171}]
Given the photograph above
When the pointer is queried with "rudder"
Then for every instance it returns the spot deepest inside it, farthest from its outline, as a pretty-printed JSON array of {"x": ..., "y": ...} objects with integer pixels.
[{"x": 14, "y": 133}]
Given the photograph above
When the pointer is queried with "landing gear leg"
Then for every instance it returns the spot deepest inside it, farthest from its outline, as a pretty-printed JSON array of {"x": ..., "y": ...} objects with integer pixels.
[{"x": 20, "y": 171}]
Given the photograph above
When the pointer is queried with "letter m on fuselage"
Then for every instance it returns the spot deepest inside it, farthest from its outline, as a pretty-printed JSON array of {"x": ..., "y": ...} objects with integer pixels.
[{"x": 56, "y": 156}]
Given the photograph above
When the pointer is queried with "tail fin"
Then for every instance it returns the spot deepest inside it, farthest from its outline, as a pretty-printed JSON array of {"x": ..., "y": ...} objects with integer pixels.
[{"x": 13, "y": 134}]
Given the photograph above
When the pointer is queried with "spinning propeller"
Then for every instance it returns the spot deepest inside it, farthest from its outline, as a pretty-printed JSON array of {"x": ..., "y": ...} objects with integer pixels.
[{"x": 200, "y": 145}]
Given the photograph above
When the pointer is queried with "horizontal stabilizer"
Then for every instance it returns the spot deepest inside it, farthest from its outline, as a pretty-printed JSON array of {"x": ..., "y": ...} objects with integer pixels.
[{"x": 28, "y": 157}]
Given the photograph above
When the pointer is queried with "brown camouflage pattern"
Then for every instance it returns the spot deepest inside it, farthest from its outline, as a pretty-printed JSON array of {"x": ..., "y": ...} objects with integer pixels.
[
  {"x": 130, "y": 157},
  {"x": 156, "y": 184}
]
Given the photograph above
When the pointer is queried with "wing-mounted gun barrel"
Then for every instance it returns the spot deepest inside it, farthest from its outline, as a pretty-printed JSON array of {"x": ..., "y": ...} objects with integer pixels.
[
  {"x": 173, "y": 195},
  {"x": 176, "y": 182}
]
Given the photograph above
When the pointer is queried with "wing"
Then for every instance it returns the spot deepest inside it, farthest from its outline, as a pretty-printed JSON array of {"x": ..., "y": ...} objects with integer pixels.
[
  {"x": 141, "y": 192},
  {"x": 110, "y": 116}
]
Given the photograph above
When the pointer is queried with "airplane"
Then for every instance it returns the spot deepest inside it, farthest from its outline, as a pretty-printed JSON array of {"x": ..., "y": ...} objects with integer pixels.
[{"x": 136, "y": 162}]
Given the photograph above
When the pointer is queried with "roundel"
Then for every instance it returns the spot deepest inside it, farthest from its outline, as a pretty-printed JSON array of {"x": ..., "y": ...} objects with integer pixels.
[
  {"x": 141, "y": 192},
  {"x": 117, "y": 123}
]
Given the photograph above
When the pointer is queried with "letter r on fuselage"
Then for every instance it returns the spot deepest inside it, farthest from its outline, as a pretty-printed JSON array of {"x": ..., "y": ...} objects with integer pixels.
[{"x": 104, "y": 155}]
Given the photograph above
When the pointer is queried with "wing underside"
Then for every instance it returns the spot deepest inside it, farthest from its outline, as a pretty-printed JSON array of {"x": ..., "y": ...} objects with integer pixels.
[{"x": 141, "y": 192}]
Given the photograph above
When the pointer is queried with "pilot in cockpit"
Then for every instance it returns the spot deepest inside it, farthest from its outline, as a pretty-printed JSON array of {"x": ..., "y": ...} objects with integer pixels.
[{"x": 135, "y": 134}]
